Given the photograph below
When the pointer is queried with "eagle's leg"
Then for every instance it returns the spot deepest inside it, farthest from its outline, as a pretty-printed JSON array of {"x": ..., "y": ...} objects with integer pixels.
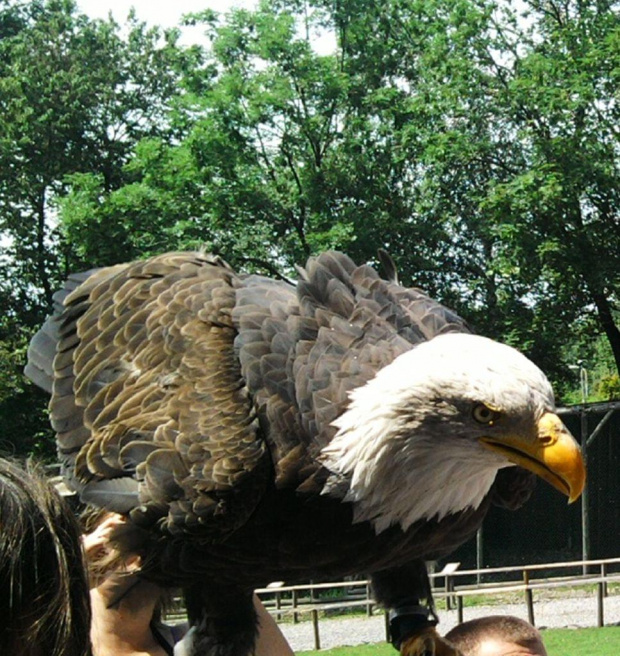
[
  {"x": 223, "y": 620},
  {"x": 406, "y": 591}
]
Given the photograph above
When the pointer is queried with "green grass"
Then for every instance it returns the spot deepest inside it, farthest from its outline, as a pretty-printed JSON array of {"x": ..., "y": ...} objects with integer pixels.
[
  {"x": 583, "y": 642},
  {"x": 559, "y": 642}
]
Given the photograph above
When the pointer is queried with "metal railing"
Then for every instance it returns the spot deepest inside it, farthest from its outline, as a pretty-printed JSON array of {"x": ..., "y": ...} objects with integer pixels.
[{"x": 297, "y": 600}]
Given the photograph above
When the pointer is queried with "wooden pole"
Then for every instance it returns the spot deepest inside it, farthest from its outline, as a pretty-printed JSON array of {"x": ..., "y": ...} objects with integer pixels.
[
  {"x": 600, "y": 619},
  {"x": 479, "y": 553},
  {"x": 315, "y": 626},
  {"x": 585, "y": 521},
  {"x": 294, "y": 601},
  {"x": 529, "y": 597}
]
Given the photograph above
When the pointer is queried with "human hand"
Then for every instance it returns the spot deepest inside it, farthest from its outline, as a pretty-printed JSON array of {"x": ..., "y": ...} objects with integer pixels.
[{"x": 97, "y": 543}]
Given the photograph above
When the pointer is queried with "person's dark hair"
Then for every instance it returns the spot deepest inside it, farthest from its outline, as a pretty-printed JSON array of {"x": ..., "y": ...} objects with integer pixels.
[
  {"x": 468, "y": 637},
  {"x": 44, "y": 599}
]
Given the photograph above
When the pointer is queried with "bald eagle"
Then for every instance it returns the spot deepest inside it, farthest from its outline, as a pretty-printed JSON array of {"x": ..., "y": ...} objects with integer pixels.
[{"x": 255, "y": 430}]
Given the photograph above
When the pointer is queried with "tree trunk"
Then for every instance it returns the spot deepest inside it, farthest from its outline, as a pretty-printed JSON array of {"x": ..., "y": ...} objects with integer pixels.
[
  {"x": 606, "y": 319},
  {"x": 42, "y": 271}
]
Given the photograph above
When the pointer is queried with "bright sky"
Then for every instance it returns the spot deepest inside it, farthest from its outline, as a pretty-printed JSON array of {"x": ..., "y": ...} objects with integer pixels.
[{"x": 166, "y": 14}]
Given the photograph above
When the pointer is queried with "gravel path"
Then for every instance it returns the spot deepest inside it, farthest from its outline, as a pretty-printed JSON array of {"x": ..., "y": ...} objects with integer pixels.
[{"x": 573, "y": 612}]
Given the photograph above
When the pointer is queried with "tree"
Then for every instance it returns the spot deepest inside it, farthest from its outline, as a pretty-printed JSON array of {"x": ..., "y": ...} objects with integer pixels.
[
  {"x": 517, "y": 151},
  {"x": 477, "y": 145},
  {"x": 246, "y": 178},
  {"x": 74, "y": 97},
  {"x": 561, "y": 94},
  {"x": 276, "y": 163}
]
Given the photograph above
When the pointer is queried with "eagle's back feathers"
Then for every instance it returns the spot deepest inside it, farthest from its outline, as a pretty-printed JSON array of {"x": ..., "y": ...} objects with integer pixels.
[{"x": 199, "y": 401}]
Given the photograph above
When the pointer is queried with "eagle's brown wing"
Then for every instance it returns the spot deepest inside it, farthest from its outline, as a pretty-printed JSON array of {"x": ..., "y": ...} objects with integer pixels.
[
  {"x": 181, "y": 389},
  {"x": 303, "y": 351},
  {"x": 180, "y": 374},
  {"x": 147, "y": 387}
]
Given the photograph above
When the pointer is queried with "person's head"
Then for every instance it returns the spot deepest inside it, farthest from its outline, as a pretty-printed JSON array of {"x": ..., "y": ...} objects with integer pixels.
[
  {"x": 44, "y": 601},
  {"x": 497, "y": 635}
]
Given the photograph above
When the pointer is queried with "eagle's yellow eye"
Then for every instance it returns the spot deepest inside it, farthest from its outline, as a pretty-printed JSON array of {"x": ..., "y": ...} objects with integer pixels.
[{"x": 483, "y": 414}]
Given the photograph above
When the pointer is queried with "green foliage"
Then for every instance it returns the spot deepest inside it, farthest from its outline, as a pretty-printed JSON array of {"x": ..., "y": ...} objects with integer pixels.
[
  {"x": 476, "y": 141},
  {"x": 519, "y": 150},
  {"x": 22, "y": 407},
  {"x": 609, "y": 387},
  {"x": 74, "y": 98}
]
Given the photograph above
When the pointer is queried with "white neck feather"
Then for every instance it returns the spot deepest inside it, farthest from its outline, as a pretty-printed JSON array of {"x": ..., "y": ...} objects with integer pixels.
[
  {"x": 396, "y": 480},
  {"x": 389, "y": 461}
]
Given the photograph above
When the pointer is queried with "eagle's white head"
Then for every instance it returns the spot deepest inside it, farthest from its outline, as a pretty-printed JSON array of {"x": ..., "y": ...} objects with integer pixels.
[{"x": 426, "y": 436}]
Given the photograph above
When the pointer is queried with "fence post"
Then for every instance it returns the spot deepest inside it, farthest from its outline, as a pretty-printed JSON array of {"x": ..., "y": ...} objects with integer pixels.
[
  {"x": 447, "y": 572},
  {"x": 479, "y": 553},
  {"x": 585, "y": 521},
  {"x": 294, "y": 602},
  {"x": 386, "y": 617},
  {"x": 459, "y": 609},
  {"x": 315, "y": 626},
  {"x": 369, "y": 603},
  {"x": 312, "y": 592},
  {"x": 529, "y": 598},
  {"x": 600, "y": 619},
  {"x": 604, "y": 577}
]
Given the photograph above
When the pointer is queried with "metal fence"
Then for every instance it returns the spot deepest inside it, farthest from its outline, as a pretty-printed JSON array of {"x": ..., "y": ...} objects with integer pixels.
[{"x": 451, "y": 584}]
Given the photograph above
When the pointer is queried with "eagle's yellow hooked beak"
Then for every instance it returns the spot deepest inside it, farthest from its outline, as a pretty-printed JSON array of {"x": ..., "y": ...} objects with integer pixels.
[{"x": 554, "y": 455}]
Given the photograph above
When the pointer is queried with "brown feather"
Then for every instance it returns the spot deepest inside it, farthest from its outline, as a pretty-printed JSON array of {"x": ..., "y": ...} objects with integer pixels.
[{"x": 197, "y": 401}]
